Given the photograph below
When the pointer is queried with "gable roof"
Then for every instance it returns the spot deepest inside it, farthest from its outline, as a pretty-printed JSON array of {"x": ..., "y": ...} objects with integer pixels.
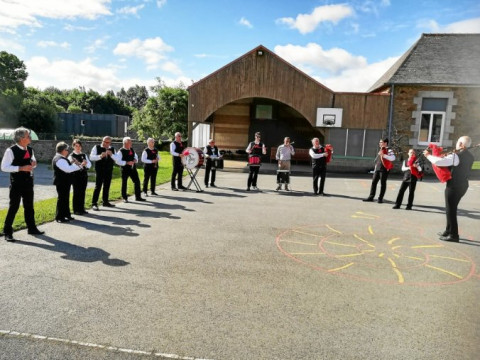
[{"x": 437, "y": 59}]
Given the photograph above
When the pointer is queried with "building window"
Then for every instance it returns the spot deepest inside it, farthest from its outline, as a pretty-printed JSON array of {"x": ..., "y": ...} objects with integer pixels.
[
  {"x": 355, "y": 142},
  {"x": 432, "y": 120},
  {"x": 431, "y": 128}
]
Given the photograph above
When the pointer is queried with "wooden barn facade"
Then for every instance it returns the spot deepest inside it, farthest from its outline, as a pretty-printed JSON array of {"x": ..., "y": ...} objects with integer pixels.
[{"x": 262, "y": 92}]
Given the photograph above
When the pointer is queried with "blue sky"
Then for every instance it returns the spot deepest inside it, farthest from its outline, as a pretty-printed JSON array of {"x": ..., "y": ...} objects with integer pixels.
[{"x": 109, "y": 44}]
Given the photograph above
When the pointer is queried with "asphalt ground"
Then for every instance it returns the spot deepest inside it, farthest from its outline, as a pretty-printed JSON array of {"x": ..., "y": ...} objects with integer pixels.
[{"x": 231, "y": 274}]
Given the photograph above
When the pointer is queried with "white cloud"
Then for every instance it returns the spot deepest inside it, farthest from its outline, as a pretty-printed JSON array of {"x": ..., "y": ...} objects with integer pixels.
[
  {"x": 45, "y": 44},
  {"x": 131, "y": 10},
  {"x": 245, "y": 22},
  {"x": 306, "y": 23},
  {"x": 314, "y": 56},
  {"x": 335, "y": 68},
  {"x": 15, "y": 13},
  {"x": 70, "y": 27},
  {"x": 11, "y": 46},
  {"x": 97, "y": 44},
  {"x": 465, "y": 26},
  {"x": 67, "y": 74},
  {"x": 370, "y": 6},
  {"x": 152, "y": 51},
  {"x": 161, "y": 3}
]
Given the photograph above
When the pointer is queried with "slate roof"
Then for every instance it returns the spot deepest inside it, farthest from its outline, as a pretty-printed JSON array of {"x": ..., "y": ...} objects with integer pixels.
[{"x": 437, "y": 59}]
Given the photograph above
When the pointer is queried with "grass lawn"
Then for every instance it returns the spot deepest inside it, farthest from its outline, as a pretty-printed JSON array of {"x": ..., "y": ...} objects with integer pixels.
[
  {"x": 476, "y": 165},
  {"x": 45, "y": 209}
]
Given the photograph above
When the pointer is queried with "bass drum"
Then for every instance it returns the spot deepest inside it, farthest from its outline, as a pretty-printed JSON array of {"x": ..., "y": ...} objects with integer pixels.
[{"x": 192, "y": 157}]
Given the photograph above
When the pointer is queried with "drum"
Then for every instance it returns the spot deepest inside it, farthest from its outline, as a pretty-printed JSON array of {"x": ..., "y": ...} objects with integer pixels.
[
  {"x": 254, "y": 161},
  {"x": 193, "y": 157},
  {"x": 217, "y": 163}
]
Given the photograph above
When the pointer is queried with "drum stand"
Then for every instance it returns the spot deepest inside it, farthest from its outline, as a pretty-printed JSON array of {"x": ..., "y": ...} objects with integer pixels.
[
  {"x": 283, "y": 177},
  {"x": 193, "y": 179}
]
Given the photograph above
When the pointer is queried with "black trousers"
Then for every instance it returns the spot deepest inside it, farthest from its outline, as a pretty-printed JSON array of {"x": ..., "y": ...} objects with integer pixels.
[
  {"x": 63, "y": 201},
  {"x": 382, "y": 177},
  {"x": 20, "y": 190},
  {"x": 150, "y": 175},
  {"x": 410, "y": 185},
  {"x": 253, "y": 176},
  {"x": 452, "y": 198},
  {"x": 208, "y": 169},
  {"x": 79, "y": 184},
  {"x": 130, "y": 172},
  {"x": 177, "y": 174},
  {"x": 319, "y": 173},
  {"x": 103, "y": 179}
]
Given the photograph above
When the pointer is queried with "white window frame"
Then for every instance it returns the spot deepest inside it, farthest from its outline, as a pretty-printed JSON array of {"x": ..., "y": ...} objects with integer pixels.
[{"x": 442, "y": 129}]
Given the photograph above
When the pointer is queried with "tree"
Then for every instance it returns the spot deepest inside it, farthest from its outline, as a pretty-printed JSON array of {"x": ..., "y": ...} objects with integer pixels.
[
  {"x": 12, "y": 84},
  {"x": 136, "y": 96},
  {"x": 163, "y": 114},
  {"x": 38, "y": 112}
]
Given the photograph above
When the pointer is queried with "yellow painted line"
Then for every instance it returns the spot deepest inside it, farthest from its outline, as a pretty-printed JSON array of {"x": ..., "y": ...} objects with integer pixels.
[
  {"x": 396, "y": 255},
  {"x": 381, "y": 255},
  {"x": 444, "y": 271},
  {"x": 342, "y": 267},
  {"x": 329, "y": 227},
  {"x": 309, "y": 234},
  {"x": 370, "y": 230},
  {"x": 340, "y": 244},
  {"x": 391, "y": 241},
  {"x": 365, "y": 241},
  {"x": 392, "y": 262},
  {"x": 349, "y": 255},
  {"x": 426, "y": 246},
  {"x": 415, "y": 258},
  {"x": 447, "y": 257},
  {"x": 299, "y": 242},
  {"x": 401, "y": 280},
  {"x": 361, "y": 212},
  {"x": 363, "y": 217}
]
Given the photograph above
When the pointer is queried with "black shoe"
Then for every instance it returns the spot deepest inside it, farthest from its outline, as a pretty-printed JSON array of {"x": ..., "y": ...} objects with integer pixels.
[
  {"x": 248, "y": 189},
  {"x": 63, "y": 220},
  {"x": 182, "y": 188},
  {"x": 78, "y": 213},
  {"x": 145, "y": 193},
  {"x": 9, "y": 237},
  {"x": 206, "y": 185},
  {"x": 450, "y": 238},
  {"x": 323, "y": 194},
  {"x": 107, "y": 204},
  {"x": 369, "y": 199},
  {"x": 396, "y": 207},
  {"x": 95, "y": 207},
  {"x": 174, "y": 189},
  {"x": 69, "y": 218},
  {"x": 408, "y": 208},
  {"x": 443, "y": 233},
  {"x": 125, "y": 200},
  {"x": 213, "y": 185},
  {"x": 140, "y": 199},
  {"x": 380, "y": 201},
  {"x": 36, "y": 232},
  {"x": 154, "y": 193}
]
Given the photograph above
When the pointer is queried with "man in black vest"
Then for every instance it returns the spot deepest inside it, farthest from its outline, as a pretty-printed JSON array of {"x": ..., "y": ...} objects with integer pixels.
[
  {"x": 460, "y": 163},
  {"x": 319, "y": 155},
  {"x": 211, "y": 152},
  {"x": 127, "y": 159},
  {"x": 62, "y": 179},
  {"x": 150, "y": 157},
  {"x": 19, "y": 161},
  {"x": 102, "y": 156},
  {"x": 176, "y": 149}
]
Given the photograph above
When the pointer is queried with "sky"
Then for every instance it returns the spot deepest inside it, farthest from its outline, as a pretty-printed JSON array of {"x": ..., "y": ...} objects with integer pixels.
[{"x": 109, "y": 44}]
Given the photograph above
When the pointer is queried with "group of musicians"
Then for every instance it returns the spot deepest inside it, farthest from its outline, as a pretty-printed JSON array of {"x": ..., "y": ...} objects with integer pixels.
[{"x": 71, "y": 169}]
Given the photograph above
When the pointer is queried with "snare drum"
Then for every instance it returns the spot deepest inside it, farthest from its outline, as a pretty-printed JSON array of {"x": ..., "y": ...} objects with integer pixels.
[
  {"x": 192, "y": 157},
  {"x": 217, "y": 163}
]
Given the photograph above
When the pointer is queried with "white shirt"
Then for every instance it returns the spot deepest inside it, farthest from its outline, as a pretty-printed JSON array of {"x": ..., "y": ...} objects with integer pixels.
[
  {"x": 118, "y": 158},
  {"x": 63, "y": 165},
  {"x": 449, "y": 160},
  {"x": 317, "y": 156},
  {"x": 146, "y": 160},
  {"x": 89, "y": 164},
  {"x": 95, "y": 157},
  {"x": 172, "y": 149},
  {"x": 8, "y": 159}
]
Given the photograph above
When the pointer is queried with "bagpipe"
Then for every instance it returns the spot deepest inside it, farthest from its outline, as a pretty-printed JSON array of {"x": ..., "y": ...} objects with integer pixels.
[
  {"x": 329, "y": 150},
  {"x": 443, "y": 173},
  {"x": 387, "y": 164}
]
